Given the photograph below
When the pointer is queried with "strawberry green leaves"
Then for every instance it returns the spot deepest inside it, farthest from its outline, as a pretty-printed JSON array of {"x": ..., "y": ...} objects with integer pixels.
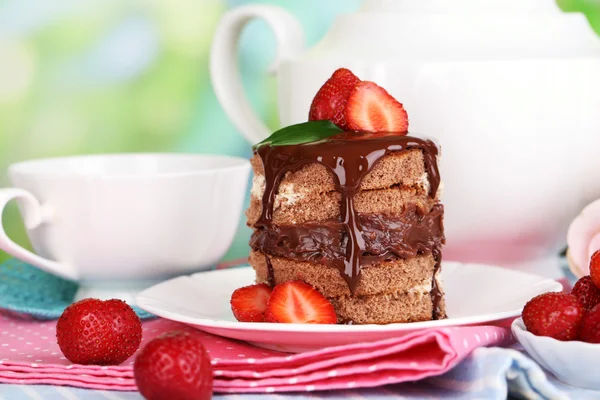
[{"x": 306, "y": 132}]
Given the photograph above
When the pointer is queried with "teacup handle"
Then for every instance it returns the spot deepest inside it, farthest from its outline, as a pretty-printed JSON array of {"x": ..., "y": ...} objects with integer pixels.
[
  {"x": 223, "y": 61},
  {"x": 34, "y": 214}
]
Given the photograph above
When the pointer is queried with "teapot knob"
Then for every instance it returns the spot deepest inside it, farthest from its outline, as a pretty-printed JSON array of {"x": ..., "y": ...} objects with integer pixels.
[{"x": 225, "y": 77}]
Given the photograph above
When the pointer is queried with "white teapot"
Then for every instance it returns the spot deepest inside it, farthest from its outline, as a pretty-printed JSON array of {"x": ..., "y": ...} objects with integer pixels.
[{"x": 509, "y": 88}]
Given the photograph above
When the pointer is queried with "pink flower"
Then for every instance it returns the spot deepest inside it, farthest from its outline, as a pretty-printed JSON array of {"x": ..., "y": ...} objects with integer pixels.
[{"x": 583, "y": 239}]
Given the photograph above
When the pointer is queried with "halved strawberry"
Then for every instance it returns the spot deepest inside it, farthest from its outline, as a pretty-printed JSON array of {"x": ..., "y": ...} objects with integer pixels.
[
  {"x": 298, "y": 302},
  {"x": 330, "y": 101},
  {"x": 370, "y": 108},
  {"x": 250, "y": 302}
]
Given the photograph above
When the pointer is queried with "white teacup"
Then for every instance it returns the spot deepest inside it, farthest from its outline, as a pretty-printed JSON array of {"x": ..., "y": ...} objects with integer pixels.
[{"x": 119, "y": 223}]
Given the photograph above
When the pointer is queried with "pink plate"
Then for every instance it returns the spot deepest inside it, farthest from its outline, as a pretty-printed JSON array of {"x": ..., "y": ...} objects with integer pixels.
[{"x": 475, "y": 295}]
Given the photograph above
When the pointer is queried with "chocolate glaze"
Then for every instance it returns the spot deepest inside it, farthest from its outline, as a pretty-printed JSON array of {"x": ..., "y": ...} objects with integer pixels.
[
  {"x": 349, "y": 156},
  {"x": 411, "y": 233}
]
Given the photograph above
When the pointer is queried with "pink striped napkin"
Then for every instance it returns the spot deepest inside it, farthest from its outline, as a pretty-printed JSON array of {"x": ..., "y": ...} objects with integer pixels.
[{"x": 29, "y": 354}]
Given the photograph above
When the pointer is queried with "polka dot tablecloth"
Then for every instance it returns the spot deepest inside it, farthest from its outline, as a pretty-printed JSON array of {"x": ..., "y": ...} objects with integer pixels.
[{"x": 29, "y": 354}]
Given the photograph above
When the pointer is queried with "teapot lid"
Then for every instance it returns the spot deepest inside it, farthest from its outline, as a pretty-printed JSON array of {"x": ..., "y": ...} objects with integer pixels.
[
  {"x": 447, "y": 30},
  {"x": 462, "y": 6}
]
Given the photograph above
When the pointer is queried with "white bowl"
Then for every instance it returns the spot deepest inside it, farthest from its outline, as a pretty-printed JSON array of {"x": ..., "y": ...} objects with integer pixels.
[{"x": 573, "y": 363}]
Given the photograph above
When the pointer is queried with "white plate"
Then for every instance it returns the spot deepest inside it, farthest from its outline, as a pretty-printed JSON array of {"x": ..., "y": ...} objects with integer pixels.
[{"x": 475, "y": 295}]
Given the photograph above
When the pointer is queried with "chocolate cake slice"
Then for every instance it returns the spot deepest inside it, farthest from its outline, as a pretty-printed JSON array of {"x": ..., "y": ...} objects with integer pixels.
[{"x": 358, "y": 217}]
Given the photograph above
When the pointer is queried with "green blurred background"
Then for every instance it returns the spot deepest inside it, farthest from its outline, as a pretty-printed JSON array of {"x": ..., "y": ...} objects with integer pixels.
[{"x": 97, "y": 76}]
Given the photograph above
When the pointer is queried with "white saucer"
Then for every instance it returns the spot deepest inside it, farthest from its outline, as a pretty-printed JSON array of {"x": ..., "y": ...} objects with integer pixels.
[{"x": 475, "y": 295}]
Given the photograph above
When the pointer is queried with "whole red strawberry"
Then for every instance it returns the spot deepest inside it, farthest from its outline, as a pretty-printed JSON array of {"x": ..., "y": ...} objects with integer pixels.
[
  {"x": 93, "y": 331},
  {"x": 595, "y": 268},
  {"x": 557, "y": 315},
  {"x": 174, "y": 366},
  {"x": 590, "y": 327},
  {"x": 330, "y": 101},
  {"x": 586, "y": 292}
]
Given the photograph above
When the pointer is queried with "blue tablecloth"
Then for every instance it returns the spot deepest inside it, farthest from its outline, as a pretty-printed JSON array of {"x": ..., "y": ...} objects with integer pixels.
[{"x": 489, "y": 374}]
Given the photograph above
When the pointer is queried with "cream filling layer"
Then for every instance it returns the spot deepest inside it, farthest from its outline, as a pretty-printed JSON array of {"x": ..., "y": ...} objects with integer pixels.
[
  {"x": 423, "y": 289},
  {"x": 288, "y": 195},
  {"x": 285, "y": 195}
]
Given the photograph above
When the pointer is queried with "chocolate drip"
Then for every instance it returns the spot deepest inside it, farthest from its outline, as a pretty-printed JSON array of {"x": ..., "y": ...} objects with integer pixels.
[
  {"x": 436, "y": 294},
  {"x": 349, "y": 156},
  {"x": 270, "y": 271}
]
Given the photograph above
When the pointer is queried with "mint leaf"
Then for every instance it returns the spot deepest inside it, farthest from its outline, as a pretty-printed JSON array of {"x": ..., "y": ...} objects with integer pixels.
[{"x": 305, "y": 132}]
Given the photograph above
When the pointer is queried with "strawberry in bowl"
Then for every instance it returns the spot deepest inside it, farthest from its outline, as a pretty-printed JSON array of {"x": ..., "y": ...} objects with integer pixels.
[{"x": 561, "y": 331}]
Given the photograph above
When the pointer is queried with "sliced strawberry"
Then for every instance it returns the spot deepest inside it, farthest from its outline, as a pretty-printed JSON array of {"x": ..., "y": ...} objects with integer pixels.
[
  {"x": 330, "y": 101},
  {"x": 370, "y": 108},
  {"x": 298, "y": 302},
  {"x": 250, "y": 302}
]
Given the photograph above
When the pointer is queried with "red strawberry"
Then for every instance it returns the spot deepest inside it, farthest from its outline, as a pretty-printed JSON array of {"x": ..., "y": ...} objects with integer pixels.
[
  {"x": 93, "y": 331},
  {"x": 557, "y": 315},
  {"x": 298, "y": 302},
  {"x": 590, "y": 327},
  {"x": 586, "y": 292},
  {"x": 330, "y": 101},
  {"x": 250, "y": 302},
  {"x": 371, "y": 108},
  {"x": 595, "y": 268},
  {"x": 174, "y": 366}
]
